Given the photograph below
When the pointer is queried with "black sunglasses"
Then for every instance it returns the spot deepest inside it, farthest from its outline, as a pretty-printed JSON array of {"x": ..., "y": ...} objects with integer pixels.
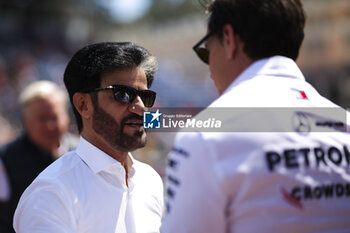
[
  {"x": 126, "y": 95},
  {"x": 201, "y": 51}
]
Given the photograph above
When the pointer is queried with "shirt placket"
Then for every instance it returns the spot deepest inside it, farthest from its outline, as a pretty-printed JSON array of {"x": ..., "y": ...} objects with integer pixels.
[{"x": 126, "y": 221}]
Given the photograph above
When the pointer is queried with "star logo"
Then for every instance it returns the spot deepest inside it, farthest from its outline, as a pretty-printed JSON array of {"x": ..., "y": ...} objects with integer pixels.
[
  {"x": 156, "y": 115},
  {"x": 151, "y": 120}
]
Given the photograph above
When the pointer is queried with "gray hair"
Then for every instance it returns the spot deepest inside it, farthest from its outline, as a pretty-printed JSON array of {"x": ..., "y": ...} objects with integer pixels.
[{"x": 41, "y": 90}]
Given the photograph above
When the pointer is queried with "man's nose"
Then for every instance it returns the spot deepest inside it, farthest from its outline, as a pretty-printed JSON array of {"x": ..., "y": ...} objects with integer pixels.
[{"x": 137, "y": 106}]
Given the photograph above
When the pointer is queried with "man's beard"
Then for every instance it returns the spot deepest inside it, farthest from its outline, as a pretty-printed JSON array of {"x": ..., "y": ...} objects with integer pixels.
[{"x": 106, "y": 126}]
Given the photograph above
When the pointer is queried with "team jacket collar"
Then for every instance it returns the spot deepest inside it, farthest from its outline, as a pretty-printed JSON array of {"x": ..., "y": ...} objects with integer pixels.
[{"x": 272, "y": 66}]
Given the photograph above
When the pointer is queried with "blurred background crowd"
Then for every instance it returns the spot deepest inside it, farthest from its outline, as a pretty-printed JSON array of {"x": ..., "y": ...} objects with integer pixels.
[{"x": 37, "y": 38}]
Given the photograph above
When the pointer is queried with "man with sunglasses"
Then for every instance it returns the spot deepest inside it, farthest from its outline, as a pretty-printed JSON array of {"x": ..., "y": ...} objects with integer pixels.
[
  {"x": 275, "y": 169},
  {"x": 100, "y": 187}
]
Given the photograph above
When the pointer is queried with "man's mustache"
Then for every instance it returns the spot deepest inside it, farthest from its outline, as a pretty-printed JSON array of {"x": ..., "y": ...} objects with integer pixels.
[{"x": 131, "y": 117}]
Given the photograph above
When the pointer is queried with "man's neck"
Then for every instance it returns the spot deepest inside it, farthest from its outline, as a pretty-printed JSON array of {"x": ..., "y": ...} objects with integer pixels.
[
  {"x": 237, "y": 68},
  {"x": 121, "y": 156}
]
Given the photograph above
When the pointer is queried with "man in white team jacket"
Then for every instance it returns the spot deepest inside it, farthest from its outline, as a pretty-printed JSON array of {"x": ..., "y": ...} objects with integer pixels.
[{"x": 278, "y": 169}]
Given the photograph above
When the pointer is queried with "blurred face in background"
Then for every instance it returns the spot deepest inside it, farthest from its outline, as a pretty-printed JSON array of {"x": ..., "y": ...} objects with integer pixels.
[{"x": 45, "y": 121}]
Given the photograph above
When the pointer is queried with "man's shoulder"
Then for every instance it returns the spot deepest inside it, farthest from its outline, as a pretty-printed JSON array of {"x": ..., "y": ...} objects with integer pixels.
[
  {"x": 267, "y": 91},
  {"x": 193, "y": 144},
  {"x": 61, "y": 169}
]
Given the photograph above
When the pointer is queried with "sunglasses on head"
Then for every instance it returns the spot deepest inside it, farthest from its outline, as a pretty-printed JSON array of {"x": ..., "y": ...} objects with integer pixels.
[
  {"x": 201, "y": 51},
  {"x": 126, "y": 95}
]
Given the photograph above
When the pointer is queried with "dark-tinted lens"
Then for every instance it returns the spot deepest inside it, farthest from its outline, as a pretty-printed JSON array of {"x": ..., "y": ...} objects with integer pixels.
[
  {"x": 127, "y": 95},
  {"x": 147, "y": 97},
  {"x": 203, "y": 54},
  {"x": 123, "y": 96},
  {"x": 201, "y": 51}
]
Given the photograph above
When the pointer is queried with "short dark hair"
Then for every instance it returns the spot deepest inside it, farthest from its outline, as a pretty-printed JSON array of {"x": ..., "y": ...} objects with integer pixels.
[
  {"x": 266, "y": 27},
  {"x": 89, "y": 64}
]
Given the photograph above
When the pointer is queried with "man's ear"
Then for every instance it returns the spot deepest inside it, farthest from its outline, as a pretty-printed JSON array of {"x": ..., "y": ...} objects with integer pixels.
[
  {"x": 82, "y": 103},
  {"x": 230, "y": 41}
]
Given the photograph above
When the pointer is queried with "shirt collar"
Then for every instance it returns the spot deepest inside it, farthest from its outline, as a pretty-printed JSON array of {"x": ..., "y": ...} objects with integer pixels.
[
  {"x": 96, "y": 159},
  {"x": 271, "y": 66}
]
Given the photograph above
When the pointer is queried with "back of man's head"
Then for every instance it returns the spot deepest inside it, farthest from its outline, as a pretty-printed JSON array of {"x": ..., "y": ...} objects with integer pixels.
[{"x": 266, "y": 27}]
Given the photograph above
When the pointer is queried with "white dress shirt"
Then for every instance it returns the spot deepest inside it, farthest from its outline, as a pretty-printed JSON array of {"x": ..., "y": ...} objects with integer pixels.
[
  {"x": 85, "y": 191},
  {"x": 280, "y": 180}
]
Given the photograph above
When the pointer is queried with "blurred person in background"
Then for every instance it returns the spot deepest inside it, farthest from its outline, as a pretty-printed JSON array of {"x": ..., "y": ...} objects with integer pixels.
[
  {"x": 45, "y": 138},
  {"x": 292, "y": 179},
  {"x": 7, "y": 132},
  {"x": 100, "y": 187}
]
